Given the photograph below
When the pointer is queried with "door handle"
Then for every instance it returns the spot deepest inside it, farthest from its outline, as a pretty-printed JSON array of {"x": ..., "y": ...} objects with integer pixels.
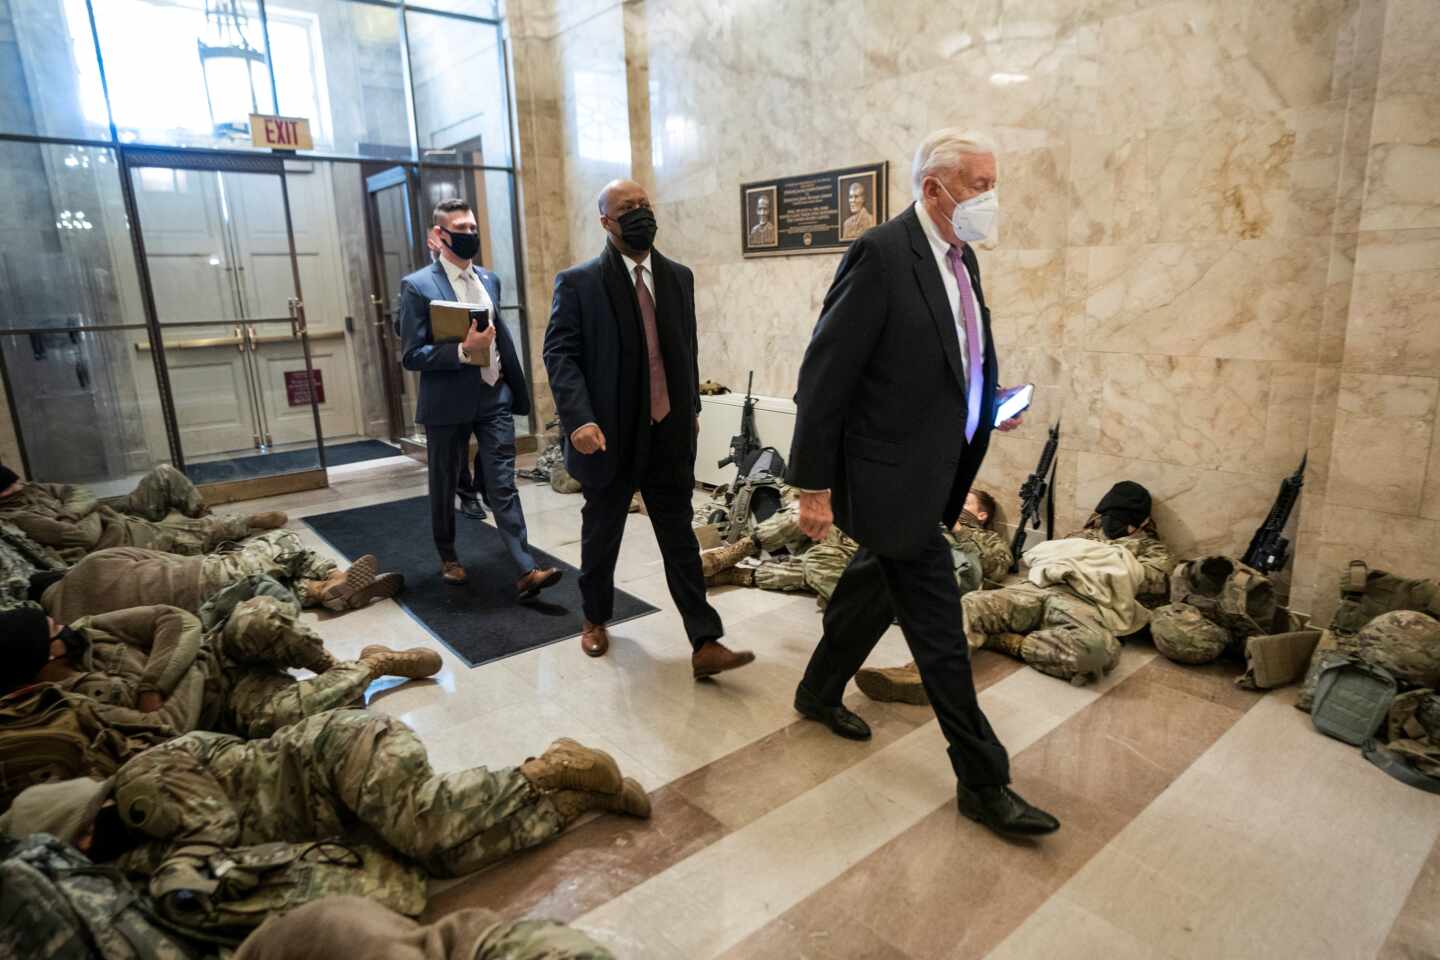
[
  {"x": 240, "y": 339},
  {"x": 250, "y": 335}
]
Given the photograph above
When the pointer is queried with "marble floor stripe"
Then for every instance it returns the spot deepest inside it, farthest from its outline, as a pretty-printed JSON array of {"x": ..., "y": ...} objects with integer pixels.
[
  {"x": 714, "y": 899},
  {"x": 1096, "y": 771},
  {"x": 1276, "y": 842},
  {"x": 1416, "y": 931},
  {"x": 603, "y": 858}
]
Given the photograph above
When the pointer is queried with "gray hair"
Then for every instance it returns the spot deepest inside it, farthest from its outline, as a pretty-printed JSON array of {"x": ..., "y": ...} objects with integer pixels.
[{"x": 945, "y": 151}]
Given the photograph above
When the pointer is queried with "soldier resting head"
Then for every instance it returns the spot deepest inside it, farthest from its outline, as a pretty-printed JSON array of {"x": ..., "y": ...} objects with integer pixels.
[
  {"x": 10, "y": 482},
  {"x": 1124, "y": 509},
  {"x": 31, "y": 642},
  {"x": 979, "y": 510}
]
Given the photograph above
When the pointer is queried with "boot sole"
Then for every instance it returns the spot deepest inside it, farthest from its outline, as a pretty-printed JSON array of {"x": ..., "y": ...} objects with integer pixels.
[
  {"x": 385, "y": 586},
  {"x": 882, "y": 689},
  {"x": 416, "y": 673}
]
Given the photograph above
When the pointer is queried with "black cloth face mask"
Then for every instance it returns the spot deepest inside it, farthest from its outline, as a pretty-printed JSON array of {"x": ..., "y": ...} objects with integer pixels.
[
  {"x": 1117, "y": 525},
  {"x": 637, "y": 228},
  {"x": 463, "y": 245}
]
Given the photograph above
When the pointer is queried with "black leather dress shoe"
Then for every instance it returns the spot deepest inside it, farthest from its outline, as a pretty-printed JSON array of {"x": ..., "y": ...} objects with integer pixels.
[
  {"x": 470, "y": 506},
  {"x": 1004, "y": 811},
  {"x": 840, "y": 720}
]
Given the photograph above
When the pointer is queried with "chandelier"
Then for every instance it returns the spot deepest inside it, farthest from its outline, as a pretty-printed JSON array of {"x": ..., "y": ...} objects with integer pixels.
[{"x": 232, "y": 66}]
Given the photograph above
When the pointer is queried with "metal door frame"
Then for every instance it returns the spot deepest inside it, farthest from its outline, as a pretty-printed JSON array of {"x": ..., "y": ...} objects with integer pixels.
[
  {"x": 135, "y": 158},
  {"x": 397, "y": 175}
]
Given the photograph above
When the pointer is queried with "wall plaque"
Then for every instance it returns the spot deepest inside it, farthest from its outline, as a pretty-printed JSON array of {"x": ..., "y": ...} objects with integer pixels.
[
  {"x": 297, "y": 389},
  {"x": 814, "y": 212}
]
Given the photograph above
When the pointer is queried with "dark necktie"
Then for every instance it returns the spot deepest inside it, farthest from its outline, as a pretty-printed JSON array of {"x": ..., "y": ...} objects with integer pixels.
[{"x": 659, "y": 389}]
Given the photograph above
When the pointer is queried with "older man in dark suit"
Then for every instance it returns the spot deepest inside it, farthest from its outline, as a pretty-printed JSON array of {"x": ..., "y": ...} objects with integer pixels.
[
  {"x": 460, "y": 395},
  {"x": 621, "y": 351},
  {"x": 897, "y": 392}
]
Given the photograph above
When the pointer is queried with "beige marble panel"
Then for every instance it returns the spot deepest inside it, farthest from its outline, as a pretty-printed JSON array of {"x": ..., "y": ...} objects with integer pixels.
[
  {"x": 1382, "y": 428},
  {"x": 1395, "y": 314},
  {"x": 1196, "y": 511},
  {"x": 1339, "y": 283},
  {"x": 1025, "y": 290},
  {"x": 1260, "y": 299},
  {"x": 1405, "y": 545},
  {"x": 1404, "y": 169},
  {"x": 908, "y": 36},
  {"x": 1295, "y": 46},
  {"x": 1430, "y": 493},
  {"x": 1112, "y": 196},
  {"x": 1408, "y": 64}
]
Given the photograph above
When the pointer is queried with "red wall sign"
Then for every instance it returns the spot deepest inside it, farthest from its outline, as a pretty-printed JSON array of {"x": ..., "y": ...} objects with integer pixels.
[{"x": 298, "y": 391}]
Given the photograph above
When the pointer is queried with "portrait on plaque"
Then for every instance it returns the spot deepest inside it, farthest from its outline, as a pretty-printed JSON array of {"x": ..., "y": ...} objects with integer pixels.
[
  {"x": 760, "y": 217},
  {"x": 858, "y": 206},
  {"x": 812, "y": 212}
]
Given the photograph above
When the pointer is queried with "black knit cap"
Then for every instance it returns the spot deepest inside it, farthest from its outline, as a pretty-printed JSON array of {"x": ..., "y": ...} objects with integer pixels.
[
  {"x": 7, "y": 476},
  {"x": 24, "y": 644},
  {"x": 1128, "y": 501}
]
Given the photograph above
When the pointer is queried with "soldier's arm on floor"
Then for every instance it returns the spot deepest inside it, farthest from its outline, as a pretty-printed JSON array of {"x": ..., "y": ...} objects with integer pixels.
[
  {"x": 169, "y": 635},
  {"x": 1155, "y": 558}
]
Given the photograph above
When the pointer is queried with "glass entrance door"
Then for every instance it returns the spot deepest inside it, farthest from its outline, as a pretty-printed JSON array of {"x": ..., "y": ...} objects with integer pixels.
[
  {"x": 395, "y": 250},
  {"x": 220, "y": 252}
]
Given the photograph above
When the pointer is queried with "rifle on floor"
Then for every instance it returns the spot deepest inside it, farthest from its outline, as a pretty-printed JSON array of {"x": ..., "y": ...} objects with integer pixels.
[
  {"x": 1032, "y": 492},
  {"x": 1269, "y": 548}
]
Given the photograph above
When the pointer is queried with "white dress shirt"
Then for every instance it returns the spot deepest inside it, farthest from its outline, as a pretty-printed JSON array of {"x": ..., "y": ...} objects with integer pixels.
[
  {"x": 469, "y": 290},
  {"x": 941, "y": 248}
]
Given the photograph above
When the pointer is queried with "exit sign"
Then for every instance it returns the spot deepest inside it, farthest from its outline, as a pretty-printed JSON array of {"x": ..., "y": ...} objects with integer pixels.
[{"x": 280, "y": 133}]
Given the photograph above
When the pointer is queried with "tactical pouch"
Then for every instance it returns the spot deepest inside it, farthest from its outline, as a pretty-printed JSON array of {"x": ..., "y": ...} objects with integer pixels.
[
  {"x": 1352, "y": 700},
  {"x": 221, "y": 894},
  {"x": 1276, "y": 659}
]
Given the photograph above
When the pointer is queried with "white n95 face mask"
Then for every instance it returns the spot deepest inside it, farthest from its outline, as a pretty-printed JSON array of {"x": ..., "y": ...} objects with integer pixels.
[{"x": 976, "y": 218}]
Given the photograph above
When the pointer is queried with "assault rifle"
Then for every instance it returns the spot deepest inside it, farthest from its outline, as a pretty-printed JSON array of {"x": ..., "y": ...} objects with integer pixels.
[
  {"x": 745, "y": 445},
  {"x": 1269, "y": 548},
  {"x": 1032, "y": 492}
]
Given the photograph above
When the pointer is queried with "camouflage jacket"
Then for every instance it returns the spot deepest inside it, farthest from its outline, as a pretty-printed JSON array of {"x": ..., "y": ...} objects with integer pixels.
[
  {"x": 1147, "y": 547},
  {"x": 68, "y": 519},
  {"x": 994, "y": 551},
  {"x": 20, "y": 557}
]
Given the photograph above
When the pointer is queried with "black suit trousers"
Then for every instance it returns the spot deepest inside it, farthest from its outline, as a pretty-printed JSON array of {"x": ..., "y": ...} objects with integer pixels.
[
  {"x": 602, "y": 527},
  {"x": 921, "y": 590}
]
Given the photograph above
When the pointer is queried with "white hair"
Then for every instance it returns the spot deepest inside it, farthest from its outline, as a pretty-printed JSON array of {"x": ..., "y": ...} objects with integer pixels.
[{"x": 944, "y": 151}]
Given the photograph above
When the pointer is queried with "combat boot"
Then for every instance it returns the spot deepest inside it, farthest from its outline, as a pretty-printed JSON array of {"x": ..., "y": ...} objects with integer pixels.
[
  {"x": 891, "y": 684},
  {"x": 356, "y": 587},
  {"x": 414, "y": 664},
  {"x": 1010, "y": 644},
  {"x": 734, "y": 577},
  {"x": 631, "y": 800},
  {"x": 567, "y": 765},
  {"x": 726, "y": 556},
  {"x": 271, "y": 520}
]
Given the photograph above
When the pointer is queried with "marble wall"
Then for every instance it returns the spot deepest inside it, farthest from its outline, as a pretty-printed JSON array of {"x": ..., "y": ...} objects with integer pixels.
[{"x": 1220, "y": 234}]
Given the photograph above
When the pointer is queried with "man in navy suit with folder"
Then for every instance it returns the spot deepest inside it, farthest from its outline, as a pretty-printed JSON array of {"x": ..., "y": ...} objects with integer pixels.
[{"x": 461, "y": 393}]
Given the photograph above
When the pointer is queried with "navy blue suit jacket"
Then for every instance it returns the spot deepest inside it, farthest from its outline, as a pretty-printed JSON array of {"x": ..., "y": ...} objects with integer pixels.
[{"x": 450, "y": 391}]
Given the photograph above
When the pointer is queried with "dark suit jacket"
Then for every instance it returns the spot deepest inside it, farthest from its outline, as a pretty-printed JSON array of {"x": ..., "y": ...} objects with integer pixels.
[
  {"x": 451, "y": 391},
  {"x": 881, "y": 399},
  {"x": 595, "y": 355}
]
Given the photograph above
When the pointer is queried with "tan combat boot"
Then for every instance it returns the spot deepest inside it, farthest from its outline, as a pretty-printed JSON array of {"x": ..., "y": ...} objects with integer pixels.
[
  {"x": 724, "y": 557},
  {"x": 356, "y": 587},
  {"x": 631, "y": 800},
  {"x": 414, "y": 664},
  {"x": 734, "y": 577},
  {"x": 892, "y": 684},
  {"x": 272, "y": 520},
  {"x": 567, "y": 765},
  {"x": 1010, "y": 644}
]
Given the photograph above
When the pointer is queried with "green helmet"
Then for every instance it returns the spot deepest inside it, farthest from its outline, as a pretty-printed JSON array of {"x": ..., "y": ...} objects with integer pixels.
[
  {"x": 1406, "y": 643},
  {"x": 1184, "y": 634}
]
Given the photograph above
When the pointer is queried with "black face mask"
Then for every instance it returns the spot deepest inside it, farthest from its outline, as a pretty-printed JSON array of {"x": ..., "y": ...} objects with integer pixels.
[
  {"x": 463, "y": 245},
  {"x": 637, "y": 228},
  {"x": 75, "y": 644},
  {"x": 1115, "y": 526}
]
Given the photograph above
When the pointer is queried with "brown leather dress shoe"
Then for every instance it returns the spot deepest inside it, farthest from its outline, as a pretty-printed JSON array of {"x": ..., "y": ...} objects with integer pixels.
[
  {"x": 594, "y": 639},
  {"x": 529, "y": 586},
  {"x": 714, "y": 657},
  {"x": 452, "y": 572}
]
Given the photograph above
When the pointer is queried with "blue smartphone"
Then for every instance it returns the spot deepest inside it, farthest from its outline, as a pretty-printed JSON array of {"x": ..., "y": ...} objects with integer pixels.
[{"x": 1013, "y": 402}]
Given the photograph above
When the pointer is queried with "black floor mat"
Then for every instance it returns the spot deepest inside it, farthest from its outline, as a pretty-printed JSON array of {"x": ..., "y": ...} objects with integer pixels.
[
  {"x": 480, "y": 620},
  {"x": 270, "y": 464}
]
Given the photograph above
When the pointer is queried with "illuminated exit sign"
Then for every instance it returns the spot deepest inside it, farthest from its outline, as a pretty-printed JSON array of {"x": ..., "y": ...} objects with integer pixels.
[{"x": 280, "y": 133}]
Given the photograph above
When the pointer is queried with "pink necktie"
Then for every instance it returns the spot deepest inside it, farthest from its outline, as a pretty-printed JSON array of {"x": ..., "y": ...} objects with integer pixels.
[
  {"x": 975, "y": 369},
  {"x": 659, "y": 389}
]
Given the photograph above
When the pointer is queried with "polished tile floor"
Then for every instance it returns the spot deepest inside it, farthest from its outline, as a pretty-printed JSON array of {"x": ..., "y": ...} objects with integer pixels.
[{"x": 1199, "y": 820}]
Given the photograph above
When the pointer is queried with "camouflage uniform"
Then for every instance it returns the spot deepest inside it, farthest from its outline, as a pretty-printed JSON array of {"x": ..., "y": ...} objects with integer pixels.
[
  {"x": 993, "y": 551},
  {"x": 73, "y": 522},
  {"x": 1054, "y": 629},
  {"x": 233, "y": 680},
  {"x": 121, "y": 577},
  {"x": 1184, "y": 634},
  {"x": 20, "y": 558},
  {"x": 346, "y": 773}
]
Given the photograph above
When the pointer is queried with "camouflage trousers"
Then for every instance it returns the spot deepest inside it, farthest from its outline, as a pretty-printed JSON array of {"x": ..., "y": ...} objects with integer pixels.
[
  {"x": 164, "y": 491},
  {"x": 533, "y": 940},
  {"x": 817, "y": 569},
  {"x": 261, "y": 640},
  {"x": 186, "y": 536},
  {"x": 1063, "y": 635},
  {"x": 275, "y": 553}
]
